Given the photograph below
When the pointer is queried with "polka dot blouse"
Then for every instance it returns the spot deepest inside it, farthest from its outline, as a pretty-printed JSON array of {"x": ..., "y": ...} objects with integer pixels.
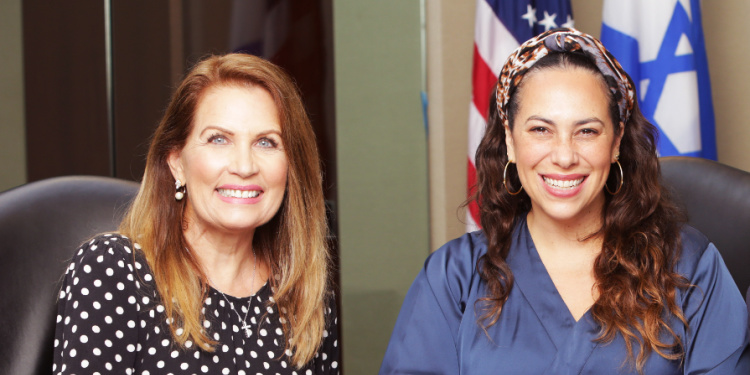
[{"x": 110, "y": 321}]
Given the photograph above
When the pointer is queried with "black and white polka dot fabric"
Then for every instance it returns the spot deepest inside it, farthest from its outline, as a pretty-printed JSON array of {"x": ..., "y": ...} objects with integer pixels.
[{"x": 110, "y": 321}]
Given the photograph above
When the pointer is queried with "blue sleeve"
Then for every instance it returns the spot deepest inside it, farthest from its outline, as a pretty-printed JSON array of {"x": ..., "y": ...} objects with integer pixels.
[
  {"x": 717, "y": 338},
  {"x": 424, "y": 338}
]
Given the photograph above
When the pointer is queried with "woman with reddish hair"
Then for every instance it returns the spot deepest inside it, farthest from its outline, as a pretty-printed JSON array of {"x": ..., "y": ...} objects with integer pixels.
[{"x": 221, "y": 264}]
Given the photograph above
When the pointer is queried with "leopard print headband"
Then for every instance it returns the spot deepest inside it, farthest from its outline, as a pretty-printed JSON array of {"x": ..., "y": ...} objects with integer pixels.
[{"x": 564, "y": 40}]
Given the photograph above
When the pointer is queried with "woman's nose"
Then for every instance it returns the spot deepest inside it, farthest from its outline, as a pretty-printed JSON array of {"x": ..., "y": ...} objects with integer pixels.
[
  {"x": 243, "y": 162},
  {"x": 564, "y": 153}
]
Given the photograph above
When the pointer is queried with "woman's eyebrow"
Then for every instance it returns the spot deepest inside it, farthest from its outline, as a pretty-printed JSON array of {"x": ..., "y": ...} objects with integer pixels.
[
  {"x": 588, "y": 121},
  {"x": 540, "y": 118},
  {"x": 216, "y": 127},
  {"x": 584, "y": 121}
]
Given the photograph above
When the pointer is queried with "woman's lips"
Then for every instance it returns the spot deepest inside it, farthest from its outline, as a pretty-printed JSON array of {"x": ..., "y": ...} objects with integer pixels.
[
  {"x": 563, "y": 186},
  {"x": 236, "y": 193},
  {"x": 246, "y": 194}
]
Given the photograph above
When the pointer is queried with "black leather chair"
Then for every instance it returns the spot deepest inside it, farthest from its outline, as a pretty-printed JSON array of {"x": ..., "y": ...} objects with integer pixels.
[
  {"x": 41, "y": 225},
  {"x": 717, "y": 200}
]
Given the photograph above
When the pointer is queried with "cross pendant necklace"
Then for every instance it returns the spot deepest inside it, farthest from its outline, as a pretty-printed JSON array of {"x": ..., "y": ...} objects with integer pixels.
[{"x": 246, "y": 326}]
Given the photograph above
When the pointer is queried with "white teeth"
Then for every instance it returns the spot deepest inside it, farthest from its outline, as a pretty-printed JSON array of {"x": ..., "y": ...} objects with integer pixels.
[
  {"x": 564, "y": 184},
  {"x": 229, "y": 193}
]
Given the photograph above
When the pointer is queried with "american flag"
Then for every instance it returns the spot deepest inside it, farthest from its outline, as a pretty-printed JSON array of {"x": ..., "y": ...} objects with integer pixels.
[{"x": 501, "y": 26}]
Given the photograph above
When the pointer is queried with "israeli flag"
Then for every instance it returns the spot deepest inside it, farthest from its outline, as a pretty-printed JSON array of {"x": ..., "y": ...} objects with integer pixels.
[{"x": 660, "y": 44}]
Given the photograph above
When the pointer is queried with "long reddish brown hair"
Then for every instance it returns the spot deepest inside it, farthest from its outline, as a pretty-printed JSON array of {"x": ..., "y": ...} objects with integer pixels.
[
  {"x": 634, "y": 272},
  {"x": 293, "y": 243}
]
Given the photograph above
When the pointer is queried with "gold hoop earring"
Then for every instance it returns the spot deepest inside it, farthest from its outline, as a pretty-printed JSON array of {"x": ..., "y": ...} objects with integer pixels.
[
  {"x": 622, "y": 180},
  {"x": 505, "y": 181}
]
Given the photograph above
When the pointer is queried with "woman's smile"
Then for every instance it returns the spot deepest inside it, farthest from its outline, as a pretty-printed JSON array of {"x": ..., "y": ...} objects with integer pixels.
[
  {"x": 563, "y": 186},
  {"x": 240, "y": 194},
  {"x": 563, "y": 142},
  {"x": 233, "y": 164},
  {"x": 562, "y": 183}
]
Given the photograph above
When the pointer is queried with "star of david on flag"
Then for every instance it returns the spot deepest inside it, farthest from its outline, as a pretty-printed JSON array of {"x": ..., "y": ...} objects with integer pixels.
[
  {"x": 501, "y": 26},
  {"x": 660, "y": 44}
]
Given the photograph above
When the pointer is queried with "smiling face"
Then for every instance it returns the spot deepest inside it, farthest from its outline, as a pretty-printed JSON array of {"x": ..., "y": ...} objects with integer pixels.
[
  {"x": 563, "y": 142},
  {"x": 233, "y": 163}
]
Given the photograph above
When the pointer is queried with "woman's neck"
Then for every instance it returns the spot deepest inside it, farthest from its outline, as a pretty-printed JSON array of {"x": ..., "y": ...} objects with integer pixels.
[
  {"x": 228, "y": 260},
  {"x": 571, "y": 236},
  {"x": 568, "y": 253}
]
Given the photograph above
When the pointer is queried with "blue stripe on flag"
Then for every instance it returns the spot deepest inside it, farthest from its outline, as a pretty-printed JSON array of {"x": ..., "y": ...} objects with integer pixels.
[
  {"x": 656, "y": 72},
  {"x": 625, "y": 49}
]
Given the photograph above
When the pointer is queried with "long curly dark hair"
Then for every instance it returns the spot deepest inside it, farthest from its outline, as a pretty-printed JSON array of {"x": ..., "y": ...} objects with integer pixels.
[{"x": 634, "y": 272}]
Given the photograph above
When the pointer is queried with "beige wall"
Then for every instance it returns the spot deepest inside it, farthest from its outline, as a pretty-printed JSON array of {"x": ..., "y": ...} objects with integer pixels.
[
  {"x": 450, "y": 34},
  {"x": 12, "y": 132},
  {"x": 588, "y": 16},
  {"x": 381, "y": 149},
  {"x": 724, "y": 24},
  {"x": 450, "y": 40}
]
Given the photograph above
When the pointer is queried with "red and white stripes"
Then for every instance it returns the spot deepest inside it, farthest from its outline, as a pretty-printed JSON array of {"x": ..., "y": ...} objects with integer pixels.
[{"x": 493, "y": 43}]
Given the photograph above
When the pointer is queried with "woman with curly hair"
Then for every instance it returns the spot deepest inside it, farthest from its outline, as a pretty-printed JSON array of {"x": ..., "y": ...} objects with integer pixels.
[
  {"x": 221, "y": 264},
  {"x": 582, "y": 265}
]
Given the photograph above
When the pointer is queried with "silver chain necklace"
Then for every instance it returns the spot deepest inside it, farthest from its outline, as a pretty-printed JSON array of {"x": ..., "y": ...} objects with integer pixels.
[{"x": 245, "y": 325}]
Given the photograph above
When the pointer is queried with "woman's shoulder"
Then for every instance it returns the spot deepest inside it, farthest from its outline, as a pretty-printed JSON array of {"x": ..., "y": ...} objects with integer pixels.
[
  {"x": 466, "y": 248},
  {"x": 107, "y": 243},
  {"x": 105, "y": 247},
  {"x": 108, "y": 254},
  {"x": 454, "y": 263},
  {"x": 696, "y": 248},
  {"x": 693, "y": 240}
]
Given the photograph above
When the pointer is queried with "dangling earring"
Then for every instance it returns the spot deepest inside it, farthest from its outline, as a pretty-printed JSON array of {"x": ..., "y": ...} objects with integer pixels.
[
  {"x": 180, "y": 190},
  {"x": 622, "y": 177},
  {"x": 505, "y": 181}
]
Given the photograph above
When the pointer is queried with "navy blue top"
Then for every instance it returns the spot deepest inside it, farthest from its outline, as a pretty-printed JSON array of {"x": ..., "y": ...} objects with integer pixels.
[{"x": 437, "y": 331}]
